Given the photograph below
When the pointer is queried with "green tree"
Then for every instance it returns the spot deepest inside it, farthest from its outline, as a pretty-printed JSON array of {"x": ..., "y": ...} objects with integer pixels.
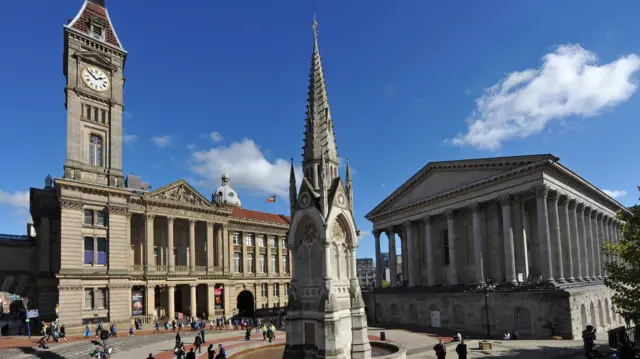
[
  {"x": 385, "y": 284},
  {"x": 623, "y": 276}
]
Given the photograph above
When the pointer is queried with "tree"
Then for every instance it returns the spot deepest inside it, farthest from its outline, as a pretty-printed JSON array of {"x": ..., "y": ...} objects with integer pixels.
[
  {"x": 623, "y": 276},
  {"x": 385, "y": 284}
]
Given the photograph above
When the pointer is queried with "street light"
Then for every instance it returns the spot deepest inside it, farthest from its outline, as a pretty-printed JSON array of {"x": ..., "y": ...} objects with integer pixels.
[{"x": 487, "y": 287}]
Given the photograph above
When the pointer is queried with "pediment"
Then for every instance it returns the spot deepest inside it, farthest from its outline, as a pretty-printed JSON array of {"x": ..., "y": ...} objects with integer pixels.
[
  {"x": 307, "y": 197},
  {"x": 180, "y": 192},
  {"x": 97, "y": 59},
  {"x": 338, "y": 195}
]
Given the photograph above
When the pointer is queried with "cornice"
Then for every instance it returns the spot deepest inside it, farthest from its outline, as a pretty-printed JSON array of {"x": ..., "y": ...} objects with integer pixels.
[
  {"x": 93, "y": 45},
  {"x": 238, "y": 223},
  {"x": 85, "y": 187}
]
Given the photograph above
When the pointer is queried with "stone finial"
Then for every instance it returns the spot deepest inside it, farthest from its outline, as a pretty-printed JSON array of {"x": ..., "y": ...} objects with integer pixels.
[
  {"x": 48, "y": 182},
  {"x": 542, "y": 191}
]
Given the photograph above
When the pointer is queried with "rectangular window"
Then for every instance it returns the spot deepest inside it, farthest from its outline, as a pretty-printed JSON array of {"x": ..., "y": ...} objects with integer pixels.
[
  {"x": 285, "y": 264},
  {"x": 445, "y": 247},
  {"x": 251, "y": 265},
  {"x": 276, "y": 290},
  {"x": 236, "y": 239},
  {"x": 101, "y": 298},
  {"x": 88, "y": 112},
  {"x": 263, "y": 263},
  {"x": 274, "y": 264},
  {"x": 95, "y": 150},
  {"x": 102, "y": 251},
  {"x": 88, "y": 217},
  {"x": 95, "y": 114},
  {"x": 264, "y": 290},
  {"x": 261, "y": 241},
  {"x": 88, "y": 250},
  {"x": 287, "y": 288},
  {"x": 283, "y": 244},
  {"x": 104, "y": 116},
  {"x": 237, "y": 262},
  {"x": 249, "y": 240},
  {"x": 272, "y": 242},
  {"x": 156, "y": 251},
  {"x": 88, "y": 299},
  {"x": 101, "y": 218}
]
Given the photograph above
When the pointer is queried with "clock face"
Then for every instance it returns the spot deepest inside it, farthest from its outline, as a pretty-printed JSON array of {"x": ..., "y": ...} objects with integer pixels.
[{"x": 95, "y": 78}]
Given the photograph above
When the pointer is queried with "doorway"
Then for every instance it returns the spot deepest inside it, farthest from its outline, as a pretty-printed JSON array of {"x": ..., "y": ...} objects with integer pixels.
[{"x": 246, "y": 304}]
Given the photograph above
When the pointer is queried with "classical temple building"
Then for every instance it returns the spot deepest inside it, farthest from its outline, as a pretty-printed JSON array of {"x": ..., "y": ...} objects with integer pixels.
[
  {"x": 109, "y": 249},
  {"x": 526, "y": 225}
]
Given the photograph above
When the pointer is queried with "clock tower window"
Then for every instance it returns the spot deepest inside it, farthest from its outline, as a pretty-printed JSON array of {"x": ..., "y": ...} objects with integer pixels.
[
  {"x": 97, "y": 30},
  {"x": 95, "y": 150}
]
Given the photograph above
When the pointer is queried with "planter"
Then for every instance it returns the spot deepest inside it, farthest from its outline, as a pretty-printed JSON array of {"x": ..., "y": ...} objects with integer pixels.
[{"x": 484, "y": 346}]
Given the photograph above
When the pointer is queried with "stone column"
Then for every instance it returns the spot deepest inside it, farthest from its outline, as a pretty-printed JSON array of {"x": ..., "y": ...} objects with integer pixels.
[
  {"x": 409, "y": 256},
  {"x": 544, "y": 239},
  {"x": 598, "y": 244},
  {"x": 211, "y": 301},
  {"x": 451, "y": 231},
  {"x": 587, "y": 275},
  {"x": 519, "y": 248},
  {"x": 478, "y": 242},
  {"x": 149, "y": 243},
  {"x": 268, "y": 244},
  {"x": 567, "y": 207},
  {"x": 228, "y": 249},
  {"x": 609, "y": 238},
  {"x": 525, "y": 238},
  {"x": 404, "y": 255},
  {"x": 280, "y": 267},
  {"x": 171, "y": 290},
  {"x": 210, "y": 256},
  {"x": 193, "y": 303},
  {"x": 507, "y": 231},
  {"x": 192, "y": 245},
  {"x": 429, "y": 250},
  {"x": 243, "y": 256},
  {"x": 393, "y": 259},
  {"x": 593, "y": 258},
  {"x": 220, "y": 247},
  {"x": 150, "y": 295},
  {"x": 172, "y": 260},
  {"x": 555, "y": 236},
  {"x": 376, "y": 236}
]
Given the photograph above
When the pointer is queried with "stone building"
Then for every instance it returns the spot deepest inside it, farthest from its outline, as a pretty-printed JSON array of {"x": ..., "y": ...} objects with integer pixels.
[
  {"x": 107, "y": 248},
  {"x": 366, "y": 271},
  {"x": 526, "y": 224}
]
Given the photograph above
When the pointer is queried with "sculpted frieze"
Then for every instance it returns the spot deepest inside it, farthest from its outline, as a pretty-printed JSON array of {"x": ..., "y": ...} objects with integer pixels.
[
  {"x": 70, "y": 288},
  {"x": 122, "y": 211},
  {"x": 68, "y": 204},
  {"x": 181, "y": 193}
]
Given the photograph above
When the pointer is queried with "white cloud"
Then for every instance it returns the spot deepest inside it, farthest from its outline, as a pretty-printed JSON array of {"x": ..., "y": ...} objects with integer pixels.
[
  {"x": 17, "y": 199},
  {"x": 568, "y": 83},
  {"x": 161, "y": 141},
  {"x": 615, "y": 193},
  {"x": 128, "y": 138},
  {"x": 363, "y": 234},
  {"x": 215, "y": 136},
  {"x": 247, "y": 167}
]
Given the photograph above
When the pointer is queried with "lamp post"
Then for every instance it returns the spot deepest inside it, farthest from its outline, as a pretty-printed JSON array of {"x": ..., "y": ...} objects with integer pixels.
[{"x": 487, "y": 287}]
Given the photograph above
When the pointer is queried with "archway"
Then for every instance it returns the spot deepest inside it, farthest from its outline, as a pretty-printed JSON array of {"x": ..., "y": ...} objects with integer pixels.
[{"x": 246, "y": 304}]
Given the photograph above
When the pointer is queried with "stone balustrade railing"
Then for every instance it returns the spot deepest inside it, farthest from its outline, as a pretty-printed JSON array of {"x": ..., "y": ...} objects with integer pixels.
[
  {"x": 182, "y": 269},
  {"x": 200, "y": 269}
]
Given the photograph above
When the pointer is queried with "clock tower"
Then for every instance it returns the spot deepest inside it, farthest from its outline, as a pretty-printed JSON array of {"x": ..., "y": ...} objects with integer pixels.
[{"x": 93, "y": 65}]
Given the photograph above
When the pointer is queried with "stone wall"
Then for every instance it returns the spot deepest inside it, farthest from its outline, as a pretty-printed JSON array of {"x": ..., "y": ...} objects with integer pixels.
[{"x": 527, "y": 312}]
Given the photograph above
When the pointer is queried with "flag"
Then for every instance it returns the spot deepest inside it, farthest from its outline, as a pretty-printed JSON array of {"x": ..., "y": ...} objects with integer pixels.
[{"x": 271, "y": 199}]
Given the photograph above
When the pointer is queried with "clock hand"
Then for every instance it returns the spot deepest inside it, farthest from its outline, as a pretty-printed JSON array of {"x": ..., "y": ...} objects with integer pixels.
[{"x": 92, "y": 75}]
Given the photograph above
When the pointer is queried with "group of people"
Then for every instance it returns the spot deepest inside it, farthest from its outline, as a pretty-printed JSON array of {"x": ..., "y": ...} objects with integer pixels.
[
  {"x": 51, "y": 331},
  {"x": 181, "y": 352},
  {"x": 461, "y": 349}
]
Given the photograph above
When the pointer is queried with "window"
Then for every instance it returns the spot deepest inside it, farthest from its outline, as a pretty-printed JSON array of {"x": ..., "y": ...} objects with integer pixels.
[
  {"x": 251, "y": 265},
  {"x": 287, "y": 289},
  {"x": 249, "y": 240},
  {"x": 276, "y": 290},
  {"x": 458, "y": 314},
  {"x": 285, "y": 264},
  {"x": 102, "y": 251},
  {"x": 522, "y": 319},
  {"x": 100, "y": 218},
  {"x": 284, "y": 243},
  {"x": 88, "y": 217},
  {"x": 103, "y": 115},
  {"x": 261, "y": 241},
  {"x": 95, "y": 150},
  {"x": 88, "y": 299},
  {"x": 101, "y": 298},
  {"x": 156, "y": 250},
  {"x": 263, "y": 263},
  {"x": 445, "y": 247},
  {"x": 87, "y": 112},
  {"x": 274, "y": 264},
  {"x": 97, "y": 30},
  {"x": 264, "y": 290},
  {"x": 88, "y": 250},
  {"x": 272, "y": 242},
  {"x": 237, "y": 262},
  {"x": 236, "y": 239}
]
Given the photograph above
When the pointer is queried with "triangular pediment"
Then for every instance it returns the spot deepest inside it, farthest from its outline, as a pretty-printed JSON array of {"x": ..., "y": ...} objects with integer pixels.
[
  {"x": 96, "y": 59},
  {"x": 338, "y": 195},
  {"x": 440, "y": 177},
  {"x": 180, "y": 192},
  {"x": 307, "y": 196}
]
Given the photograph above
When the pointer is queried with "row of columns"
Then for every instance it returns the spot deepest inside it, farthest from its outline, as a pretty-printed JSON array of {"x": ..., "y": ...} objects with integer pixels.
[
  {"x": 171, "y": 291},
  {"x": 267, "y": 238},
  {"x": 560, "y": 218}
]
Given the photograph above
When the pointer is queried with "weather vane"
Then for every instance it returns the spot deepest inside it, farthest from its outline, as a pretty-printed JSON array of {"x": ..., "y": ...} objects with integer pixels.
[{"x": 315, "y": 26}]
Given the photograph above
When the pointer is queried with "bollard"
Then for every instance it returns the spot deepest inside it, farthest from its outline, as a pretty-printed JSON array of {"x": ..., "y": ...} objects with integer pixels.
[{"x": 383, "y": 336}]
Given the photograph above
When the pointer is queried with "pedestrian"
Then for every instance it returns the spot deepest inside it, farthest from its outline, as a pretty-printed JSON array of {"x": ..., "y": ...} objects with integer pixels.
[
  {"x": 63, "y": 334},
  {"x": 179, "y": 350},
  {"x": 247, "y": 334},
  {"x": 86, "y": 333},
  {"x": 461, "y": 349},
  {"x": 210, "y": 352},
  {"x": 202, "y": 334},
  {"x": 157, "y": 327},
  {"x": 198, "y": 343},
  {"x": 273, "y": 330},
  {"x": 173, "y": 326},
  {"x": 264, "y": 332},
  {"x": 104, "y": 335},
  {"x": 440, "y": 349},
  {"x": 191, "y": 354},
  {"x": 270, "y": 335},
  {"x": 150, "y": 356},
  {"x": 131, "y": 331},
  {"x": 222, "y": 354}
]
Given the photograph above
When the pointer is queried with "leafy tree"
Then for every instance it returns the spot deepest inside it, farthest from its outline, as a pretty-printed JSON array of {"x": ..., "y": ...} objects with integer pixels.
[
  {"x": 623, "y": 276},
  {"x": 385, "y": 284}
]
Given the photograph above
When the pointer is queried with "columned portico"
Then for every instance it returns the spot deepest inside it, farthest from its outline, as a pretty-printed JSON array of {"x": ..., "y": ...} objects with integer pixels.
[
  {"x": 393, "y": 258},
  {"x": 379, "y": 265}
]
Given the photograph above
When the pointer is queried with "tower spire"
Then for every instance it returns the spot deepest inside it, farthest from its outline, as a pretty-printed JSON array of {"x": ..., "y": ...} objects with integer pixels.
[
  {"x": 293, "y": 197},
  {"x": 319, "y": 137}
]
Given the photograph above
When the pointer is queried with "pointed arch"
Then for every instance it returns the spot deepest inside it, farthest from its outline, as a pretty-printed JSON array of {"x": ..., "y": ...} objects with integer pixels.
[
  {"x": 304, "y": 252},
  {"x": 300, "y": 217},
  {"x": 347, "y": 224}
]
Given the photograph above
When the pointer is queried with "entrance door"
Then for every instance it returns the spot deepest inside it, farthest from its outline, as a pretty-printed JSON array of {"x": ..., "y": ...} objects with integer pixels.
[{"x": 435, "y": 318}]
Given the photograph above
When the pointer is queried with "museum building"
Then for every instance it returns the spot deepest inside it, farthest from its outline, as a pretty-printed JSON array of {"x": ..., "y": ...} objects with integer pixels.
[
  {"x": 107, "y": 248},
  {"x": 521, "y": 233}
]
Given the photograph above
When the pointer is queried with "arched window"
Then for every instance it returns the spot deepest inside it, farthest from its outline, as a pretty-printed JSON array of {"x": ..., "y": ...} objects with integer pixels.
[
  {"x": 522, "y": 319},
  {"x": 458, "y": 314},
  {"x": 95, "y": 150}
]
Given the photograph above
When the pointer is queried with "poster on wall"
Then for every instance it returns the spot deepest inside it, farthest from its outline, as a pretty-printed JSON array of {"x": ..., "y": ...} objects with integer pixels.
[
  {"x": 218, "y": 297},
  {"x": 137, "y": 308}
]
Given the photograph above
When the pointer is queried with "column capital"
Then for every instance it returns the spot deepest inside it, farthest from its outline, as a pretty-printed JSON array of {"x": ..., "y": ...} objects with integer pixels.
[
  {"x": 449, "y": 214},
  {"x": 390, "y": 231},
  {"x": 553, "y": 196},
  {"x": 587, "y": 210},
  {"x": 193, "y": 285},
  {"x": 594, "y": 213},
  {"x": 376, "y": 234},
  {"x": 563, "y": 199},
  {"x": 600, "y": 215},
  {"x": 579, "y": 207},
  {"x": 571, "y": 203},
  {"x": 505, "y": 199},
  {"x": 150, "y": 215},
  {"x": 427, "y": 219},
  {"x": 542, "y": 191},
  {"x": 171, "y": 219},
  {"x": 171, "y": 286},
  {"x": 475, "y": 207},
  {"x": 407, "y": 225},
  {"x": 192, "y": 221},
  {"x": 151, "y": 286}
]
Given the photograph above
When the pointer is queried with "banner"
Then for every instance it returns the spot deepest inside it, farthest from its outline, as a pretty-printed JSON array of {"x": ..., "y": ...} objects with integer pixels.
[
  {"x": 137, "y": 300},
  {"x": 218, "y": 292}
]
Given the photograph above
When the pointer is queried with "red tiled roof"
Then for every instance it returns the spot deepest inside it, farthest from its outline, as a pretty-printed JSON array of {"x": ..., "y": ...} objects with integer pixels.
[
  {"x": 260, "y": 216},
  {"x": 90, "y": 11}
]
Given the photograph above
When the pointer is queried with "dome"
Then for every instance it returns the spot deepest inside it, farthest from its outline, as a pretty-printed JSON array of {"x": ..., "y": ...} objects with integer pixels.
[{"x": 225, "y": 195}]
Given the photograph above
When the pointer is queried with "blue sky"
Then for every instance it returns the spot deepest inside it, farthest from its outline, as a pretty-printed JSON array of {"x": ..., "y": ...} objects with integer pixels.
[{"x": 214, "y": 84}]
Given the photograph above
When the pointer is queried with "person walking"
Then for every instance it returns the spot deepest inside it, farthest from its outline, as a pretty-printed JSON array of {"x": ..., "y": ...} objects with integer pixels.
[
  {"x": 440, "y": 349},
  {"x": 222, "y": 354},
  {"x": 150, "y": 356},
  {"x": 202, "y": 334},
  {"x": 191, "y": 354},
  {"x": 157, "y": 327},
  {"x": 197, "y": 343},
  {"x": 461, "y": 349},
  {"x": 210, "y": 352}
]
